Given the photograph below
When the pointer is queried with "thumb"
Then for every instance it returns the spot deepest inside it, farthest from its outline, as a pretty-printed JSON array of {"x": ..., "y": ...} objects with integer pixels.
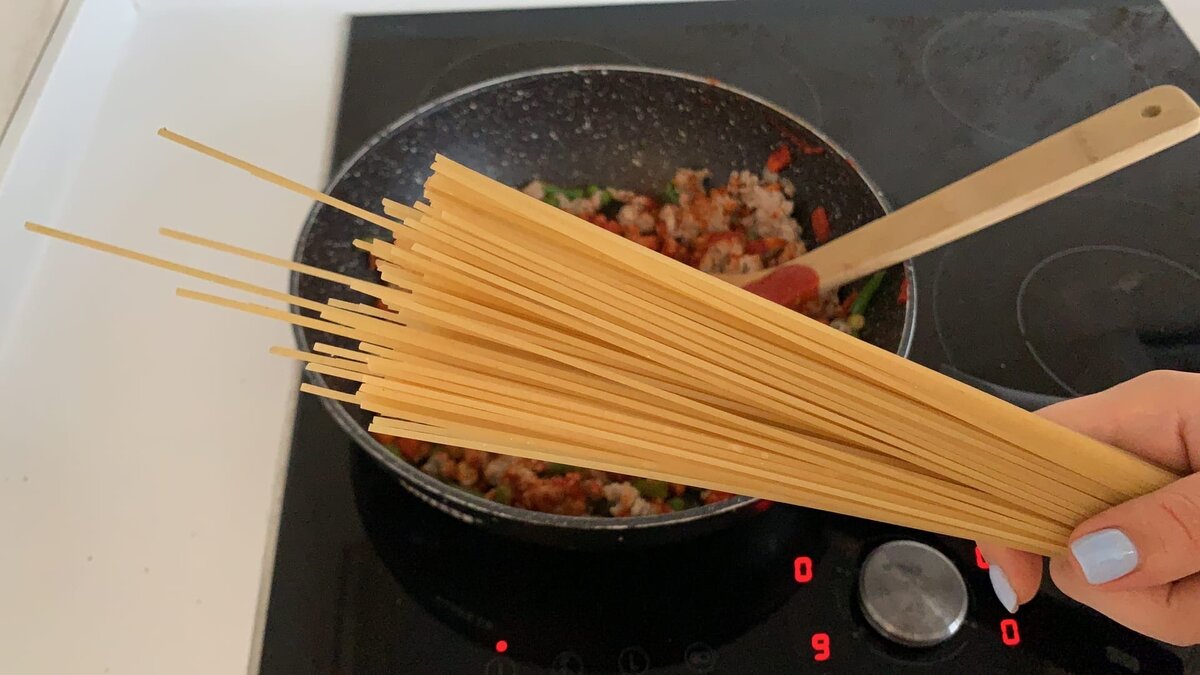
[{"x": 1148, "y": 541}]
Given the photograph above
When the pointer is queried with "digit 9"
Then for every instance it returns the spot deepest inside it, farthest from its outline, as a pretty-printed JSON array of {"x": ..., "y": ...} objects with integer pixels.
[{"x": 820, "y": 645}]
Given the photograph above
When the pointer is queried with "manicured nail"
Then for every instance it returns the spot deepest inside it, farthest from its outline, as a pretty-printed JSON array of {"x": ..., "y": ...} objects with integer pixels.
[
  {"x": 1105, "y": 555},
  {"x": 1004, "y": 590}
]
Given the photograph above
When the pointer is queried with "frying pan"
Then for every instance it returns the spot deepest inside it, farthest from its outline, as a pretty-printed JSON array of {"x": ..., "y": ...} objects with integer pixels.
[{"x": 606, "y": 125}]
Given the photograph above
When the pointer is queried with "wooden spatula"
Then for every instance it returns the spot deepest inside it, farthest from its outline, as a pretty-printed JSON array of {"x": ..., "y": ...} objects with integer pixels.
[{"x": 1108, "y": 141}]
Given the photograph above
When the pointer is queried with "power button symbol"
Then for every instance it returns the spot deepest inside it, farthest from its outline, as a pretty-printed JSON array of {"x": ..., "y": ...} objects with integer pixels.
[
  {"x": 501, "y": 665},
  {"x": 633, "y": 661},
  {"x": 700, "y": 657}
]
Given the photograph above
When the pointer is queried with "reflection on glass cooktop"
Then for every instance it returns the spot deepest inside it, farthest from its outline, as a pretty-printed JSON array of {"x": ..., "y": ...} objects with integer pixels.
[{"x": 1067, "y": 299}]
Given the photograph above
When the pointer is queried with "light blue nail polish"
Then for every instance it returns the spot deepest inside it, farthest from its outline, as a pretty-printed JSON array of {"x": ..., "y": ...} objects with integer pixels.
[
  {"x": 1105, "y": 555},
  {"x": 1004, "y": 590}
]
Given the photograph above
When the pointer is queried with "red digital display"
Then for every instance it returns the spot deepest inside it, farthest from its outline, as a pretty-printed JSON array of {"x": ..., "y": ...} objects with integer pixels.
[
  {"x": 983, "y": 564},
  {"x": 820, "y": 645},
  {"x": 1009, "y": 633},
  {"x": 501, "y": 646},
  {"x": 803, "y": 569}
]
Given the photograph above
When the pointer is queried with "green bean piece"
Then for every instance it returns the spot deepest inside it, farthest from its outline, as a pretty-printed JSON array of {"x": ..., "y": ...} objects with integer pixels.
[
  {"x": 867, "y": 292},
  {"x": 670, "y": 194},
  {"x": 550, "y": 194},
  {"x": 502, "y": 494},
  {"x": 651, "y": 489},
  {"x": 556, "y": 469}
]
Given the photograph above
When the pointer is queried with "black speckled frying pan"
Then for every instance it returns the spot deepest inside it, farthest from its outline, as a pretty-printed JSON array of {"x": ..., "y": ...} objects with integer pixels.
[{"x": 588, "y": 125}]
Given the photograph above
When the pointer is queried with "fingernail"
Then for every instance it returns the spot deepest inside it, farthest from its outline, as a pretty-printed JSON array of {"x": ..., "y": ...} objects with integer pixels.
[
  {"x": 1105, "y": 555},
  {"x": 1004, "y": 590}
]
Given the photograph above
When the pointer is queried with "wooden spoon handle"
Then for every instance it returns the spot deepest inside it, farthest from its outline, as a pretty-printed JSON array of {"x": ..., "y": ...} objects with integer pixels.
[{"x": 1108, "y": 141}]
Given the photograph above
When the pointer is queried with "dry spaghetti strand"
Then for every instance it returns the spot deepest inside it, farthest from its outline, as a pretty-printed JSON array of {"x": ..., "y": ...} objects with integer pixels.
[{"x": 506, "y": 325}]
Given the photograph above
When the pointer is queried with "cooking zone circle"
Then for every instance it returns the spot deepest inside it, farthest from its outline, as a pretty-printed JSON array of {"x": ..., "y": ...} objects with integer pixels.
[
  {"x": 1095, "y": 316},
  {"x": 1016, "y": 75}
]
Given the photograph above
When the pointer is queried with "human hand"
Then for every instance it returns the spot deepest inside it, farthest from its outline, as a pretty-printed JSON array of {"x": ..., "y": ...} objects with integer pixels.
[{"x": 1138, "y": 562}]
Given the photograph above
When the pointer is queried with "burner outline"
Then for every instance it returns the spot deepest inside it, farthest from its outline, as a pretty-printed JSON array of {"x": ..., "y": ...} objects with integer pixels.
[
  {"x": 1076, "y": 250},
  {"x": 1026, "y": 16}
]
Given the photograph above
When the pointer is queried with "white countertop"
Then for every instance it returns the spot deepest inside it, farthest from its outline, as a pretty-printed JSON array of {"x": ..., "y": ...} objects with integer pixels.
[
  {"x": 141, "y": 460},
  {"x": 24, "y": 27}
]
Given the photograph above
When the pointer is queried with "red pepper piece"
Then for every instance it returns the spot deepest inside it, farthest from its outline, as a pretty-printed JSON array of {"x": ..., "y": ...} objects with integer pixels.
[
  {"x": 849, "y": 302},
  {"x": 780, "y": 159},
  {"x": 820, "y": 225}
]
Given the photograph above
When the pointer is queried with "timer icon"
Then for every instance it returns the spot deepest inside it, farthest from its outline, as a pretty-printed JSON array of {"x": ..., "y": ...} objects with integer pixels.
[
  {"x": 633, "y": 661},
  {"x": 568, "y": 663}
]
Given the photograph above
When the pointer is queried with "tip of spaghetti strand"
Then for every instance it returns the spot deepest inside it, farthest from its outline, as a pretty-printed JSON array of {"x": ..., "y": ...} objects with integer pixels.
[
  {"x": 285, "y": 351},
  {"x": 38, "y": 228},
  {"x": 327, "y": 393}
]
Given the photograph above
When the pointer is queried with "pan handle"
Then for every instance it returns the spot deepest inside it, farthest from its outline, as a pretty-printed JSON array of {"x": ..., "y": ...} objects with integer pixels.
[{"x": 1022, "y": 399}]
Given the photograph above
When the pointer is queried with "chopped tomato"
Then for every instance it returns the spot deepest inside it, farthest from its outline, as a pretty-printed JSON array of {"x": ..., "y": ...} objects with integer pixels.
[
  {"x": 607, "y": 223},
  {"x": 383, "y": 438},
  {"x": 760, "y": 246},
  {"x": 757, "y": 247},
  {"x": 714, "y": 496},
  {"x": 780, "y": 159},
  {"x": 723, "y": 236},
  {"x": 902, "y": 296},
  {"x": 802, "y": 145},
  {"x": 672, "y": 249},
  {"x": 707, "y": 241},
  {"x": 820, "y": 225},
  {"x": 650, "y": 241},
  {"x": 413, "y": 450}
]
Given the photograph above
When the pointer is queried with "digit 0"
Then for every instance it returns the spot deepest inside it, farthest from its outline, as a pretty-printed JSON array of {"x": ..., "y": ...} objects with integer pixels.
[
  {"x": 820, "y": 645},
  {"x": 803, "y": 569},
  {"x": 1009, "y": 632}
]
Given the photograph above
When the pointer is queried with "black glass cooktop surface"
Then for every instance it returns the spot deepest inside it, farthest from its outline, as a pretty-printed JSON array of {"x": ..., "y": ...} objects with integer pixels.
[{"x": 1068, "y": 299}]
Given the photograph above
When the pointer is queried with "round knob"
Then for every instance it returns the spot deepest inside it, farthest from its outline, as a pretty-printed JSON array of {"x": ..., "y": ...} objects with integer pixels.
[{"x": 912, "y": 594}]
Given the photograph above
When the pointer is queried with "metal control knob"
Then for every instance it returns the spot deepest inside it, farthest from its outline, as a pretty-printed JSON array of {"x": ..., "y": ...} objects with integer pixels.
[{"x": 912, "y": 594}]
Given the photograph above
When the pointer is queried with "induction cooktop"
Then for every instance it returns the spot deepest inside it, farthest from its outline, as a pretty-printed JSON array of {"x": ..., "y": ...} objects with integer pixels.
[{"x": 1068, "y": 299}]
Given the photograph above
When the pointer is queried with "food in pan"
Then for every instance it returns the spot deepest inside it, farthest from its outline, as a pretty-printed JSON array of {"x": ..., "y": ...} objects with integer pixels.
[{"x": 749, "y": 223}]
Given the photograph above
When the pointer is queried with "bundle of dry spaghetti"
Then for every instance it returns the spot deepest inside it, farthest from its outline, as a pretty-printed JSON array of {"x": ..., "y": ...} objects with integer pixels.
[{"x": 513, "y": 327}]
